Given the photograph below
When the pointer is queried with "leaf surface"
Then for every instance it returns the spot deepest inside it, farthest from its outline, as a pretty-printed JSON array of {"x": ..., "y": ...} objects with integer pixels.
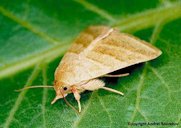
[{"x": 35, "y": 34}]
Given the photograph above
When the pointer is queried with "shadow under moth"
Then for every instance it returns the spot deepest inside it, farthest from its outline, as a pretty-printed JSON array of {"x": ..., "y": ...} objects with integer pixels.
[{"x": 97, "y": 51}]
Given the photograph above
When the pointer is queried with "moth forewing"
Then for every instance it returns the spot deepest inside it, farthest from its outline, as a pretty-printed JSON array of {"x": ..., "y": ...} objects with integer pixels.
[
  {"x": 98, "y": 51},
  {"x": 113, "y": 52}
]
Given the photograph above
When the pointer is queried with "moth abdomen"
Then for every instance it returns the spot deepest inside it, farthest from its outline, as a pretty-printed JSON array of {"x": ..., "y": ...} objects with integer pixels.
[{"x": 94, "y": 84}]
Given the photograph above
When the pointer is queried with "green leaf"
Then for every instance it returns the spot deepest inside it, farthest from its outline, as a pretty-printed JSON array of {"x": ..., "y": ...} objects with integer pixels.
[{"x": 35, "y": 34}]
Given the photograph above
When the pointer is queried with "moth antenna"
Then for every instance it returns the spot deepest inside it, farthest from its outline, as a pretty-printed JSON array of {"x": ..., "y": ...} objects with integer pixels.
[
  {"x": 112, "y": 90},
  {"x": 68, "y": 104},
  {"x": 37, "y": 86},
  {"x": 119, "y": 75}
]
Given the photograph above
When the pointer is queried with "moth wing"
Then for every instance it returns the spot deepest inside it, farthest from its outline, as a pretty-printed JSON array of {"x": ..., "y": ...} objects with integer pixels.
[{"x": 85, "y": 60}]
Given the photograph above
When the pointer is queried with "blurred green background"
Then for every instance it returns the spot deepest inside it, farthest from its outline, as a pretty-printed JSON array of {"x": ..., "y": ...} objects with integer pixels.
[{"x": 34, "y": 34}]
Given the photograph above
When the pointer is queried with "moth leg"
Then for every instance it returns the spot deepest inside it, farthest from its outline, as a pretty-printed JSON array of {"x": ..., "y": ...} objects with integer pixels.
[
  {"x": 77, "y": 97},
  {"x": 112, "y": 90},
  {"x": 119, "y": 75}
]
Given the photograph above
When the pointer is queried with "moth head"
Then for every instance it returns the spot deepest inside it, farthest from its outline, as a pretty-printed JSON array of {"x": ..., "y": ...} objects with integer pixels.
[{"x": 61, "y": 90}]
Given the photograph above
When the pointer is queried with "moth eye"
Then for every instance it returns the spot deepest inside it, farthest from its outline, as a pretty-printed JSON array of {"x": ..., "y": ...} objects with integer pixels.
[
  {"x": 55, "y": 82},
  {"x": 65, "y": 88}
]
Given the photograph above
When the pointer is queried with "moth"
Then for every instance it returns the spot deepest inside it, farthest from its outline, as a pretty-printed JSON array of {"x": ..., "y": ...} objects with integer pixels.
[{"x": 98, "y": 51}]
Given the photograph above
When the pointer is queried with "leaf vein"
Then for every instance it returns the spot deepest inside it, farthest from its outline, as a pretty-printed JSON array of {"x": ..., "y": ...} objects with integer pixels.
[
  {"x": 27, "y": 25},
  {"x": 77, "y": 122},
  {"x": 104, "y": 107},
  {"x": 138, "y": 94},
  {"x": 145, "y": 118},
  {"x": 21, "y": 97},
  {"x": 45, "y": 91},
  {"x": 149, "y": 18},
  {"x": 162, "y": 80},
  {"x": 22, "y": 64},
  {"x": 96, "y": 9}
]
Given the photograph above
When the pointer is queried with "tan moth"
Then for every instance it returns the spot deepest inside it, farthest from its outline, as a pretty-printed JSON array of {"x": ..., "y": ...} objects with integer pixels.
[{"x": 98, "y": 51}]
